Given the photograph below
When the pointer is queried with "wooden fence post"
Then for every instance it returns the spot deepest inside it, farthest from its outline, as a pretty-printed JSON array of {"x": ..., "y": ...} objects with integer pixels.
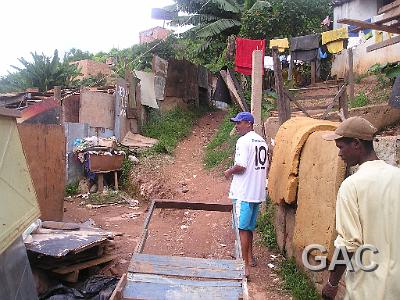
[
  {"x": 283, "y": 103},
  {"x": 256, "y": 89},
  {"x": 351, "y": 74}
]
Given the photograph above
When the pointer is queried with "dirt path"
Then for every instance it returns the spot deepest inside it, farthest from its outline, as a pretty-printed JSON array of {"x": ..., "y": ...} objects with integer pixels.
[{"x": 181, "y": 232}]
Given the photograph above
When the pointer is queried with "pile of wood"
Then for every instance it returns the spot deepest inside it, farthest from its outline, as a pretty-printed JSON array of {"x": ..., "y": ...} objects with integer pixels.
[{"x": 64, "y": 249}]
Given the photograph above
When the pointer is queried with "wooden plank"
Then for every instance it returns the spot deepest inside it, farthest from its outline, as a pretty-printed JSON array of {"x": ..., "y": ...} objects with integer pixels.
[
  {"x": 150, "y": 291},
  {"x": 391, "y": 15},
  {"x": 314, "y": 97},
  {"x": 313, "y": 88},
  {"x": 193, "y": 205},
  {"x": 189, "y": 262},
  {"x": 335, "y": 100},
  {"x": 384, "y": 44},
  {"x": 44, "y": 147},
  {"x": 117, "y": 293},
  {"x": 297, "y": 104},
  {"x": 344, "y": 106},
  {"x": 238, "y": 245},
  {"x": 283, "y": 104},
  {"x": 351, "y": 73},
  {"x": 388, "y": 7},
  {"x": 313, "y": 72},
  {"x": 234, "y": 89},
  {"x": 6, "y": 112},
  {"x": 184, "y": 267},
  {"x": 367, "y": 25},
  {"x": 140, "y": 246},
  {"x": 151, "y": 278},
  {"x": 84, "y": 265}
]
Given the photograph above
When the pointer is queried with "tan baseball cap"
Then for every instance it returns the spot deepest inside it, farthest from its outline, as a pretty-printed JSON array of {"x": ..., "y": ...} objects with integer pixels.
[{"x": 354, "y": 127}]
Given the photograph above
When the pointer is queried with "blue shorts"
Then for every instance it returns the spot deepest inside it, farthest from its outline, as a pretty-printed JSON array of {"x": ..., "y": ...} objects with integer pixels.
[{"x": 246, "y": 212}]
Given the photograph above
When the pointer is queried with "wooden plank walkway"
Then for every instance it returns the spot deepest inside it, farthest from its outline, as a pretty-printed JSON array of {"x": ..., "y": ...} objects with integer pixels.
[{"x": 159, "y": 277}]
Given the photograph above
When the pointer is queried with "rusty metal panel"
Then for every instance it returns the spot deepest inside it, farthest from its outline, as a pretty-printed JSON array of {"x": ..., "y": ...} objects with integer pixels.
[
  {"x": 44, "y": 147},
  {"x": 105, "y": 163},
  {"x": 97, "y": 109},
  {"x": 71, "y": 108},
  {"x": 18, "y": 199}
]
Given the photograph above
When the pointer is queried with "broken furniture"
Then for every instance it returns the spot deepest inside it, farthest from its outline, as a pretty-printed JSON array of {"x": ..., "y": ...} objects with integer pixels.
[
  {"x": 101, "y": 164},
  {"x": 175, "y": 277},
  {"x": 69, "y": 248}
]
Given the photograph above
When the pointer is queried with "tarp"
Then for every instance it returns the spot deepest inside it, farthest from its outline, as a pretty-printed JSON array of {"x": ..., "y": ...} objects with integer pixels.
[{"x": 147, "y": 89}]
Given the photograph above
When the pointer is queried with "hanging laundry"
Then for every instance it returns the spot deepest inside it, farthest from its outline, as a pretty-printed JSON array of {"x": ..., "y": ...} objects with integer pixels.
[
  {"x": 269, "y": 62},
  {"x": 305, "y": 48},
  {"x": 352, "y": 32},
  {"x": 354, "y": 42},
  {"x": 367, "y": 32},
  {"x": 244, "y": 53},
  {"x": 282, "y": 44},
  {"x": 334, "y": 39},
  {"x": 322, "y": 54},
  {"x": 378, "y": 36}
]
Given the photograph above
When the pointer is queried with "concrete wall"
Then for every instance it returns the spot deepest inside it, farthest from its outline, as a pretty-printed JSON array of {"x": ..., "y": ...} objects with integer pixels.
[
  {"x": 356, "y": 9},
  {"x": 363, "y": 60},
  {"x": 97, "y": 109}
]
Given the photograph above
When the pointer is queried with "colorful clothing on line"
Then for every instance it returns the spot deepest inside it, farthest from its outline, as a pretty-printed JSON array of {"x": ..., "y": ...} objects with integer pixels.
[
  {"x": 244, "y": 54},
  {"x": 334, "y": 39},
  {"x": 282, "y": 44},
  {"x": 334, "y": 35}
]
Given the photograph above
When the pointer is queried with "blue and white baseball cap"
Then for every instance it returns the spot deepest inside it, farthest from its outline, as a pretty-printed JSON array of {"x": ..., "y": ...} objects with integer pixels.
[{"x": 243, "y": 116}]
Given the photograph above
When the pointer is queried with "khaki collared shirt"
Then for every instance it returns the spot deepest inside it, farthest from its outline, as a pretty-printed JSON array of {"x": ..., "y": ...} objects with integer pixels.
[{"x": 368, "y": 212}]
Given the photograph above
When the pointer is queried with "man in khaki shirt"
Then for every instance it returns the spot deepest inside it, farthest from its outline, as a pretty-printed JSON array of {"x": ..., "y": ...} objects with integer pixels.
[{"x": 367, "y": 213}]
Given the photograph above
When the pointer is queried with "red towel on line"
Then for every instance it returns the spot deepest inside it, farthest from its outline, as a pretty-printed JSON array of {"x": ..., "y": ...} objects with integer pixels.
[{"x": 244, "y": 52}]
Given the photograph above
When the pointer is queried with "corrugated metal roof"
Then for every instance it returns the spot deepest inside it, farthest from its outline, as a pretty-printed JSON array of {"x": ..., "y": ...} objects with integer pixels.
[{"x": 18, "y": 200}]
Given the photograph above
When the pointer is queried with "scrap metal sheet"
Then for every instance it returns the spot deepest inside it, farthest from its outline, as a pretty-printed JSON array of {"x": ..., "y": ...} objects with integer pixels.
[{"x": 18, "y": 200}]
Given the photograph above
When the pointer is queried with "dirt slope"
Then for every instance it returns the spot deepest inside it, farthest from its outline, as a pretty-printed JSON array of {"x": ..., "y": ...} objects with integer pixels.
[{"x": 182, "y": 232}]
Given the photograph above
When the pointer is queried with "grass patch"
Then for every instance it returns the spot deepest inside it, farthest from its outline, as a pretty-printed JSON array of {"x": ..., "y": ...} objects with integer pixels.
[
  {"x": 126, "y": 170},
  {"x": 296, "y": 282},
  {"x": 360, "y": 100},
  {"x": 169, "y": 129},
  {"x": 72, "y": 189},
  {"x": 266, "y": 228},
  {"x": 105, "y": 198},
  {"x": 221, "y": 148}
]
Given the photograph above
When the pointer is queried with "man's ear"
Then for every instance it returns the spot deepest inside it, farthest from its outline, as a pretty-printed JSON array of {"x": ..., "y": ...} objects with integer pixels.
[{"x": 357, "y": 143}]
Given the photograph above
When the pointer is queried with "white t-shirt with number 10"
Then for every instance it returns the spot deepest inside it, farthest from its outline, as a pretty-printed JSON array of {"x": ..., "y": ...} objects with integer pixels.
[{"x": 251, "y": 153}]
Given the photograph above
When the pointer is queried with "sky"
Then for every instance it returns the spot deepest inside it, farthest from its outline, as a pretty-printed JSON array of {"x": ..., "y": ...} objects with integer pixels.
[{"x": 89, "y": 25}]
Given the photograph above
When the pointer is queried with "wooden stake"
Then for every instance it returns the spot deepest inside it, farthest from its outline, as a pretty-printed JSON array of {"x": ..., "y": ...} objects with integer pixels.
[
  {"x": 283, "y": 103},
  {"x": 313, "y": 72}
]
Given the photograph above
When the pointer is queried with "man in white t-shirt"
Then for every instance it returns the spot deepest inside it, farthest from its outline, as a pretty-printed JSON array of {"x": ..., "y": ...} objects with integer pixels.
[{"x": 248, "y": 187}]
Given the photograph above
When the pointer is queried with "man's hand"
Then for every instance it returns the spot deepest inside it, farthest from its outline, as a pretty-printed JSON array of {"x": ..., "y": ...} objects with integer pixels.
[
  {"x": 329, "y": 291},
  {"x": 228, "y": 173}
]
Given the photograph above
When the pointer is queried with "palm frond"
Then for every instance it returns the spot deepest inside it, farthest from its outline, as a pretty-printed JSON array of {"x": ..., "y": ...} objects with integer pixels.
[
  {"x": 193, "y": 20},
  {"x": 217, "y": 27},
  {"x": 226, "y": 5},
  {"x": 260, "y": 5}
]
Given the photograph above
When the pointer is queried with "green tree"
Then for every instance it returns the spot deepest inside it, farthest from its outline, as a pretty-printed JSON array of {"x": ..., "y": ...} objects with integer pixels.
[
  {"x": 77, "y": 54},
  {"x": 289, "y": 18},
  {"x": 43, "y": 72}
]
